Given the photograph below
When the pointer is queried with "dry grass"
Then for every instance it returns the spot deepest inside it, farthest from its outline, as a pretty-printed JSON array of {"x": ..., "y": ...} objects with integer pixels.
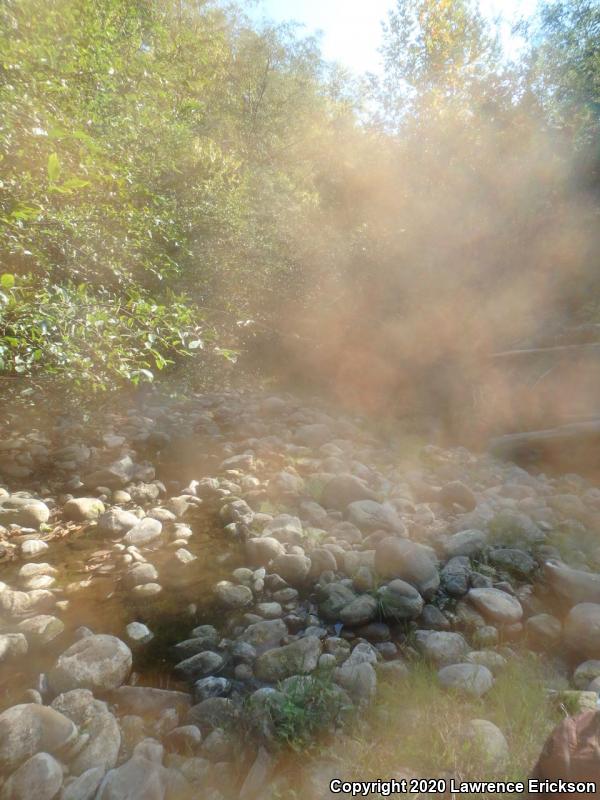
[{"x": 416, "y": 727}]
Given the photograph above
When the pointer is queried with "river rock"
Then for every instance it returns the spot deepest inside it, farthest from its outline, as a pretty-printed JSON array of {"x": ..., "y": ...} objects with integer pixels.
[
  {"x": 40, "y": 777},
  {"x": 360, "y": 611},
  {"x": 582, "y": 630},
  {"x": 399, "y": 600},
  {"x": 496, "y": 605},
  {"x": 298, "y": 658},
  {"x": 232, "y": 595},
  {"x": 465, "y": 543},
  {"x": 93, "y": 718},
  {"x": 261, "y": 550},
  {"x": 292, "y": 567},
  {"x": 572, "y": 585},
  {"x": 116, "y": 522},
  {"x": 98, "y": 662},
  {"x": 333, "y": 597},
  {"x": 84, "y": 787},
  {"x": 83, "y": 509},
  {"x": 441, "y": 647},
  {"x": 264, "y": 635},
  {"x": 12, "y": 645},
  {"x": 342, "y": 490},
  {"x": 585, "y": 673},
  {"x": 200, "y": 665},
  {"x": 369, "y": 515},
  {"x": 472, "y": 679},
  {"x": 489, "y": 742},
  {"x": 411, "y": 562},
  {"x": 41, "y": 629},
  {"x": 29, "y": 728},
  {"x": 144, "y": 532},
  {"x": 23, "y": 511}
]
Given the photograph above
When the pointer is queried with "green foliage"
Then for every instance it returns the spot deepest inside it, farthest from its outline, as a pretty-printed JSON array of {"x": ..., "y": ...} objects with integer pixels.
[{"x": 311, "y": 705}]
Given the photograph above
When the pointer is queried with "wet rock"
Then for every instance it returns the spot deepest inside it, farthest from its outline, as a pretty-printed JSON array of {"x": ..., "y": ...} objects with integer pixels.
[
  {"x": 496, "y": 605},
  {"x": 298, "y": 658},
  {"x": 582, "y": 630},
  {"x": 97, "y": 662},
  {"x": 471, "y": 679},
  {"x": 233, "y": 595},
  {"x": 138, "y": 633},
  {"x": 83, "y": 509},
  {"x": 145, "y": 532},
  {"x": 31, "y": 548},
  {"x": 264, "y": 635},
  {"x": 399, "y": 600},
  {"x": 23, "y": 511},
  {"x": 41, "y": 629},
  {"x": 116, "y": 522},
  {"x": 200, "y": 665},
  {"x": 411, "y": 562},
  {"x": 142, "y": 700},
  {"x": 40, "y": 777},
  {"x": 211, "y": 687},
  {"x": 114, "y": 476},
  {"x": 15, "y": 604},
  {"x": 12, "y": 645},
  {"x": 93, "y": 719},
  {"x": 261, "y": 550},
  {"x": 147, "y": 590},
  {"x": 140, "y": 573},
  {"x": 206, "y": 633},
  {"x": 29, "y": 728},
  {"x": 216, "y": 712}
]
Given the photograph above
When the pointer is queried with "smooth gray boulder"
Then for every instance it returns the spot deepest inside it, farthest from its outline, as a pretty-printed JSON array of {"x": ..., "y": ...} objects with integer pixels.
[
  {"x": 98, "y": 662},
  {"x": 409, "y": 561},
  {"x": 39, "y": 777},
  {"x": 24, "y": 511},
  {"x": 94, "y": 719},
  {"x": 465, "y": 543},
  {"x": 83, "y": 509},
  {"x": 471, "y": 679},
  {"x": 116, "y": 522},
  {"x": 29, "y": 728},
  {"x": 342, "y": 490},
  {"x": 144, "y": 532},
  {"x": 399, "y": 600},
  {"x": 496, "y": 605},
  {"x": 441, "y": 647},
  {"x": 360, "y": 611}
]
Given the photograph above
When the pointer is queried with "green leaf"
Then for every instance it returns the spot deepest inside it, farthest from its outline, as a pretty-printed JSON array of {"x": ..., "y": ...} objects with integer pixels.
[
  {"x": 53, "y": 167},
  {"x": 7, "y": 281}
]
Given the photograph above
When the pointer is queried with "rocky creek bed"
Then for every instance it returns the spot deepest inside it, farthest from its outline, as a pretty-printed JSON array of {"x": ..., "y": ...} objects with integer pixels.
[{"x": 189, "y": 589}]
